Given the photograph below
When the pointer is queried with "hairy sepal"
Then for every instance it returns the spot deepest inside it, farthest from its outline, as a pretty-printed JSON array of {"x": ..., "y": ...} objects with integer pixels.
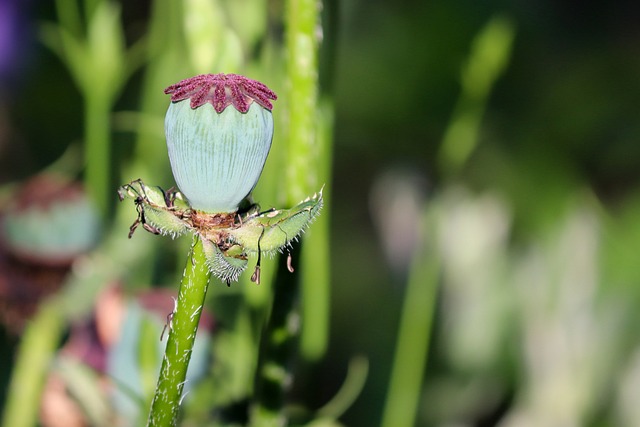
[
  {"x": 273, "y": 230},
  {"x": 227, "y": 264},
  {"x": 158, "y": 211}
]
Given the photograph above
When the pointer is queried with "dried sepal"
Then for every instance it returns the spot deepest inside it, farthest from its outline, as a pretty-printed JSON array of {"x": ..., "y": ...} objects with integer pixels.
[
  {"x": 226, "y": 264},
  {"x": 273, "y": 230},
  {"x": 159, "y": 212}
]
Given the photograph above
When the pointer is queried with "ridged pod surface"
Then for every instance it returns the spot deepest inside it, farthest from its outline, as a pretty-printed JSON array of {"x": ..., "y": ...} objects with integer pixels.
[{"x": 217, "y": 158}]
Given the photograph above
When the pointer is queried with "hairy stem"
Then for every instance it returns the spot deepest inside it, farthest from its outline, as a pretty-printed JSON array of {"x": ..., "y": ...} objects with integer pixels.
[
  {"x": 183, "y": 327},
  {"x": 302, "y": 76},
  {"x": 308, "y": 165}
]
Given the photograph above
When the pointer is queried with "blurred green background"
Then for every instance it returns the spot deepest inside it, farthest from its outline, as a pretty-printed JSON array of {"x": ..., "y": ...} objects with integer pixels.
[{"x": 514, "y": 183}]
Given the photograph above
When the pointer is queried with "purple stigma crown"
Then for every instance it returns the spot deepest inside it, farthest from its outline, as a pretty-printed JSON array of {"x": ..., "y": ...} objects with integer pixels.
[{"x": 222, "y": 90}]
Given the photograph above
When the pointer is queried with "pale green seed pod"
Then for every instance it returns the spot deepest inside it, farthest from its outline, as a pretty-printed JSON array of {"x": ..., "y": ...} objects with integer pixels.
[
  {"x": 217, "y": 153},
  {"x": 217, "y": 158},
  {"x": 49, "y": 221}
]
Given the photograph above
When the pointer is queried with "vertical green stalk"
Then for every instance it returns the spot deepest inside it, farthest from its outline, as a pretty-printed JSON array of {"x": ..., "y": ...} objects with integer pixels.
[
  {"x": 413, "y": 340},
  {"x": 98, "y": 152},
  {"x": 302, "y": 76},
  {"x": 183, "y": 327},
  {"x": 308, "y": 160},
  {"x": 316, "y": 264},
  {"x": 32, "y": 364},
  {"x": 274, "y": 375}
]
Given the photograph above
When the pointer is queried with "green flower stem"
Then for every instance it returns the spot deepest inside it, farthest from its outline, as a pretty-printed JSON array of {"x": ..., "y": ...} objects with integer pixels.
[
  {"x": 316, "y": 258},
  {"x": 413, "y": 340},
  {"x": 302, "y": 76},
  {"x": 184, "y": 325},
  {"x": 98, "y": 152},
  {"x": 274, "y": 374},
  {"x": 308, "y": 165},
  {"x": 32, "y": 364}
]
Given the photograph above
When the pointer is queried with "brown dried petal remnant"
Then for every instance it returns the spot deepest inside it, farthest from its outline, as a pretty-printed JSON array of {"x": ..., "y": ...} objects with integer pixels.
[{"x": 222, "y": 90}]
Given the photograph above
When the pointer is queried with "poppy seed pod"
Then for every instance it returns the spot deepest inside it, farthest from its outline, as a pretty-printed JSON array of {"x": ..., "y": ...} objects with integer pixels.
[{"x": 217, "y": 153}]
